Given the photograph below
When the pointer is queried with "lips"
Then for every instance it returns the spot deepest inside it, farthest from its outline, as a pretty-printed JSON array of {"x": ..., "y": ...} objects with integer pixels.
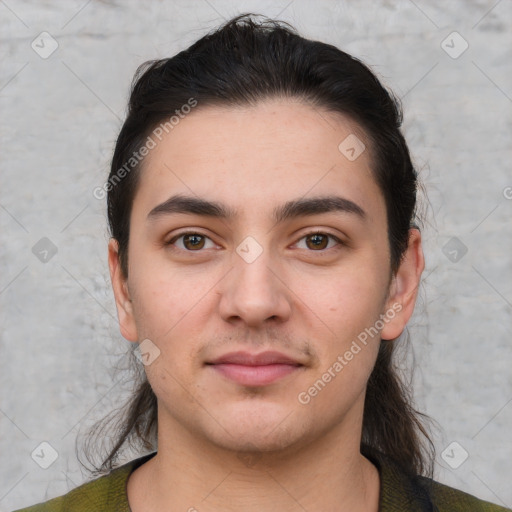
[
  {"x": 255, "y": 369},
  {"x": 262, "y": 359}
]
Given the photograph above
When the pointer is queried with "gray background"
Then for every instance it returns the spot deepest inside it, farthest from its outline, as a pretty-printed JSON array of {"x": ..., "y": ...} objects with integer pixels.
[{"x": 60, "y": 117}]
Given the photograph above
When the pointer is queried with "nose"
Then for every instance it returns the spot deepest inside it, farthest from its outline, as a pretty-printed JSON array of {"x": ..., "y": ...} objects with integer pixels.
[{"x": 255, "y": 292}]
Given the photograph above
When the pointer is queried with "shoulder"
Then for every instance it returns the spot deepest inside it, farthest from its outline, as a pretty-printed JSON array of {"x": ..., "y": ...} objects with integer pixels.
[
  {"x": 96, "y": 495},
  {"x": 404, "y": 491},
  {"x": 104, "y": 494},
  {"x": 449, "y": 499}
]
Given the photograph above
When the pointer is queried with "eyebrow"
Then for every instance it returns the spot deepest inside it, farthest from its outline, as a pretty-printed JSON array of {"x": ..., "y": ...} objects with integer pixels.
[{"x": 290, "y": 210}]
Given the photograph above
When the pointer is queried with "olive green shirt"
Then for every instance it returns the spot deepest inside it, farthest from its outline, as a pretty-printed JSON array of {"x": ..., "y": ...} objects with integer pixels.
[{"x": 398, "y": 493}]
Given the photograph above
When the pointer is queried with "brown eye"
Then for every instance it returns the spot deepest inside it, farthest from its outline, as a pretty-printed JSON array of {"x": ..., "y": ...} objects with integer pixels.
[
  {"x": 190, "y": 242},
  {"x": 193, "y": 241},
  {"x": 318, "y": 242}
]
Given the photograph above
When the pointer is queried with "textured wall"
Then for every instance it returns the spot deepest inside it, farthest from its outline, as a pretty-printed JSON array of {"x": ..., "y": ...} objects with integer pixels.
[{"x": 60, "y": 116}]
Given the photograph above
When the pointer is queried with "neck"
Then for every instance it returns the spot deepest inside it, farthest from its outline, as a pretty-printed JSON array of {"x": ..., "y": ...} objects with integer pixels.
[{"x": 194, "y": 475}]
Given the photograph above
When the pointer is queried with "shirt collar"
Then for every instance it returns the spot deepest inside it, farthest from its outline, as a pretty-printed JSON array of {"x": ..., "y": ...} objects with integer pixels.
[{"x": 399, "y": 491}]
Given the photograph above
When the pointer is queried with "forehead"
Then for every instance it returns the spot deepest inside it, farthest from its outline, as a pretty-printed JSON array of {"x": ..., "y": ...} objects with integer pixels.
[{"x": 253, "y": 156}]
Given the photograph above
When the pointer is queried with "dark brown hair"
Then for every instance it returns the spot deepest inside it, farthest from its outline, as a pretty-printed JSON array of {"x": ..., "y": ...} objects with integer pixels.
[{"x": 241, "y": 63}]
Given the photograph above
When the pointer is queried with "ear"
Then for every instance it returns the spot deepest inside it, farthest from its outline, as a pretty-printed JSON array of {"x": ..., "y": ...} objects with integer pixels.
[
  {"x": 124, "y": 305},
  {"x": 404, "y": 288}
]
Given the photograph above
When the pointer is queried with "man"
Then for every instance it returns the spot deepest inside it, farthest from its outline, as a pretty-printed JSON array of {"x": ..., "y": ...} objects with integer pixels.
[{"x": 264, "y": 256}]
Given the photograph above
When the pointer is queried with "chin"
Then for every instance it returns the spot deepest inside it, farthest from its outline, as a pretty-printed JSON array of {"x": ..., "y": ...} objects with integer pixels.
[
  {"x": 256, "y": 443},
  {"x": 264, "y": 430}
]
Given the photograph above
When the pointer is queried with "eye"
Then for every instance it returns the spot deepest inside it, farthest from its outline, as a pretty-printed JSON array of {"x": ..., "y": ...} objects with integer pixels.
[
  {"x": 318, "y": 241},
  {"x": 192, "y": 242}
]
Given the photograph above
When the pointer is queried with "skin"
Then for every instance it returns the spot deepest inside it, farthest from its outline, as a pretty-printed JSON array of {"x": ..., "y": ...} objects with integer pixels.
[{"x": 222, "y": 445}]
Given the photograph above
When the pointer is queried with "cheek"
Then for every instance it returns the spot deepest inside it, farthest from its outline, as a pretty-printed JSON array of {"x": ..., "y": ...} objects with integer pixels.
[
  {"x": 347, "y": 300},
  {"x": 346, "y": 344},
  {"x": 171, "y": 307},
  {"x": 346, "y": 307},
  {"x": 165, "y": 293},
  {"x": 167, "y": 312}
]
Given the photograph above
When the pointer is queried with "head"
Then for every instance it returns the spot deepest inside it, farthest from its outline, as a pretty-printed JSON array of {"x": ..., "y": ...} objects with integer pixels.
[{"x": 273, "y": 208}]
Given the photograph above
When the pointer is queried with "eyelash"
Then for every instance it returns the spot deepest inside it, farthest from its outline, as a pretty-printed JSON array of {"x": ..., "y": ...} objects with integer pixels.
[{"x": 312, "y": 233}]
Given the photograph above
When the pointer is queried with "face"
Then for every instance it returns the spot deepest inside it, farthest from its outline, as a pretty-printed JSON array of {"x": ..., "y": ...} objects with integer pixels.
[{"x": 263, "y": 312}]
